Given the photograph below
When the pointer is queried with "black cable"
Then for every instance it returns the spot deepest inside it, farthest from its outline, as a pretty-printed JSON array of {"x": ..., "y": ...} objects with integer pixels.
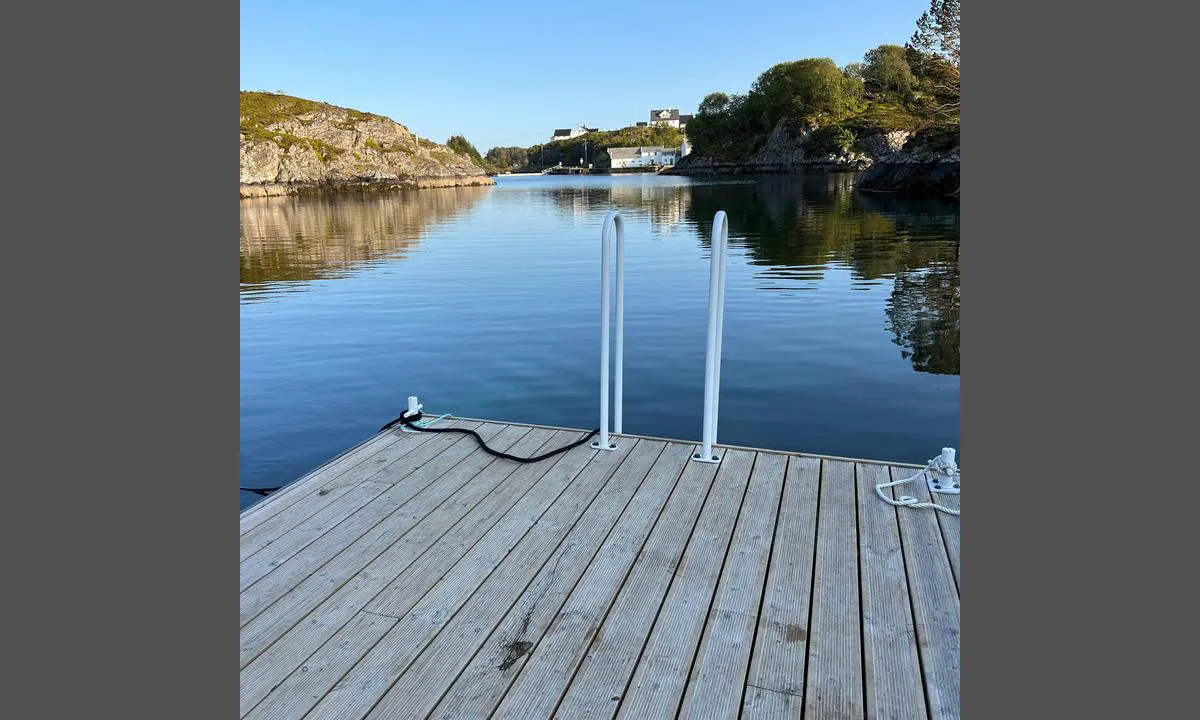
[{"x": 408, "y": 422}]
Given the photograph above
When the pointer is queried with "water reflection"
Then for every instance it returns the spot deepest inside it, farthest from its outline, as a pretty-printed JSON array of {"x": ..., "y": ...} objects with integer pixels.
[
  {"x": 663, "y": 204},
  {"x": 797, "y": 228},
  {"x": 308, "y": 238},
  {"x": 923, "y": 314},
  {"x": 841, "y": 335}
]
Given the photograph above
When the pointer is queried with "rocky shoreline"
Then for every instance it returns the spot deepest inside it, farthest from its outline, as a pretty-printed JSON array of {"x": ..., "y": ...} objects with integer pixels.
[
  {"x": 293, "y": 146},
  {"x": 914, "y": 173},
  {"x": 255, "y": 190},
  {"x": 885, "y": 164}
]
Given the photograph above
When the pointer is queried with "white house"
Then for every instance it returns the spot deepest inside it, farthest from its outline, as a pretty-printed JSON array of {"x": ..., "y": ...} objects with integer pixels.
[
  {"x": 569, "y": 133},
  {"x": 652, "y": 156},
  {"x": 669, "y": 116}
]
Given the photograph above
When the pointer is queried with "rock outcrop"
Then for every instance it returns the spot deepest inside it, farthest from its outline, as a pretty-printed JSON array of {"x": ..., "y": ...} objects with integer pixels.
[
  {"x": 296, "y": 146},
  {"x": 893, "y": 161},
  {"x": 791, "y": 150},
  {"x": 924, "y": 169}
]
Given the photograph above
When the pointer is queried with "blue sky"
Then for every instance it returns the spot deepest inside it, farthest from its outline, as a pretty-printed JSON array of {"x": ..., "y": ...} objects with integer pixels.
[{"x": 509, "y": 73}]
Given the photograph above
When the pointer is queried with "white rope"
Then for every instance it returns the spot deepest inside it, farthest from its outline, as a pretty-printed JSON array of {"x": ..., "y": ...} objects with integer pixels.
[
  {"x": 431, "y": 422},
  {"x": 910, "y": 501},
  {"x": 404, "y": 428}
]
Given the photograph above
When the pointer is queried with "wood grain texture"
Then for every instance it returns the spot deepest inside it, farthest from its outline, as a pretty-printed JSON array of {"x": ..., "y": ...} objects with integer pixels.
[
  {"x": 935, "y": 602},
  {"x": 400, "y": 544},
  {"x": 500, "y": 566},
  {"x": 432, "y": 579},
  {"x": 834, "y": 687},
  {"x": 781, "y": 640},
  {"x": 891, "y": 666},
  {"x": 599, "y": 684},
  {"x": 285, "y": 497},
  {"x": 660, "y": 679},
  {"x": 718, "y": 678}
]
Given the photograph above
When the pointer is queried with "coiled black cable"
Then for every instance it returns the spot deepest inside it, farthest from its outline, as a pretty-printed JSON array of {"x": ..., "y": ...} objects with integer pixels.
[{"x": 408, "y": 422}]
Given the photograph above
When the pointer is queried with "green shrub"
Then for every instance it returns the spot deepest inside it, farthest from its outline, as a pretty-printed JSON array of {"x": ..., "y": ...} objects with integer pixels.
[{"x": 830, "y": 140}]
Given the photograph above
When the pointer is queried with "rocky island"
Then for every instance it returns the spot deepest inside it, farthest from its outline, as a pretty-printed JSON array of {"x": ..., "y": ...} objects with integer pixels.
[
  {"x": 292, "y": 146},
  {"x": 894, "y": 117}
]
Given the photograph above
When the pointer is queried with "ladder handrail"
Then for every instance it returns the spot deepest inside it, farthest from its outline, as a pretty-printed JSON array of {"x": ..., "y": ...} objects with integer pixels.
[
  {"x": 716, "y": 321},
  {"x": 611, "y": 220},
  {"x": 716, "y": 324}
]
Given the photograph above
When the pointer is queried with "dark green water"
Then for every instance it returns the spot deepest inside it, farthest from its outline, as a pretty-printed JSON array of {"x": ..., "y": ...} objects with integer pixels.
[{"x": 841, "y": 316}]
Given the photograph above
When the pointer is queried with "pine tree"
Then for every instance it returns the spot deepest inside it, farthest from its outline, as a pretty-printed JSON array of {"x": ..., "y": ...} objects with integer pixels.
[{"x": 938, "y": 30}]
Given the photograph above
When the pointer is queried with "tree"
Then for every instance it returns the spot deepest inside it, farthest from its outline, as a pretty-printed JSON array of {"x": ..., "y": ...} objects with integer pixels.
[
  {"x": 808, "y": 89},
  {"x": 938, "y": 30},
  {"x": 713, "y": 103},
  {"x": 887, "y": 69},
  {"x": 461, "y": 145},
  {"x": 507, "y": 157}
]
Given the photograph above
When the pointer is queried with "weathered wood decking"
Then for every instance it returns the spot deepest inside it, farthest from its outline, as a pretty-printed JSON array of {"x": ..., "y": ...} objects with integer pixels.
[{"x": 417, "y": 576}]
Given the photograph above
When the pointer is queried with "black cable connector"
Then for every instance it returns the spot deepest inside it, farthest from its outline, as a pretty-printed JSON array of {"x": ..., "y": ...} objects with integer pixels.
[{"x": 408, "y": 422}]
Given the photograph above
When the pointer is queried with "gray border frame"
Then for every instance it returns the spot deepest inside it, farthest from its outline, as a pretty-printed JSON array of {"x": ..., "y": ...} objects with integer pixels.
[
  {"x": 122, "y": 287},
  {"x": 124, "y": 369}
]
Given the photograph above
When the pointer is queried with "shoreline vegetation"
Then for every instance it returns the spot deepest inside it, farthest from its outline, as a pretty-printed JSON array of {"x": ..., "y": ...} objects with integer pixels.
[{"x": 893, "y": 118}]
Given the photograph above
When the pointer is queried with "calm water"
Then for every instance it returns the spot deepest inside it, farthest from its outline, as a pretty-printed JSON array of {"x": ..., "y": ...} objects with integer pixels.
[{"x": 841, "y": 318}]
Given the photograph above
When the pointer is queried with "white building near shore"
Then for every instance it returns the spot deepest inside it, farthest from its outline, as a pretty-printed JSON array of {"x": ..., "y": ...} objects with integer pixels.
[{"x": 644, "y": 156}]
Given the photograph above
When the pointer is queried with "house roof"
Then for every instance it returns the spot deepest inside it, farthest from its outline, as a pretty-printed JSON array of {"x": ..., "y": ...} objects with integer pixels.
[
  {"x": 670, "y": 114},
  {"x": 685, "y": 118},
  {"x": 564, "y": 132}
]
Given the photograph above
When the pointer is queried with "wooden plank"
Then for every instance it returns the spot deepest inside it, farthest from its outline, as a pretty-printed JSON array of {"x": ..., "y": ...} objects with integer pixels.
[
  {"x": 423, "y": 491},
  {"x": 934, "y": 600},
  {"x": 419, "y": 557},
  {"x": 566, "y": 632},
  {"x": 359, "y": 510},
  {"x": 718, "y": 678},
  {"x": 891, "y": 666},
  {"x": 950, "y": 525},
  {"x": 764, "y": 704},
  {"x": 370, "y": 603},
  {"x": 340, "y": 590},
  {"x": 775, "y": 683},
  {"x": 789, "y": 453},
  {"x": 283, "y": 498},
  {"x": 395, "y": 461},
  {"x": 495, "y": 484},
  {"x": 257, "y": 565},
  {"x": 393, "y": 442},
  {"x": 659, "y": 680},
  {"x": 292, "y": 699},
  {"x": 599, "y": 684},
  {"x": 502, "y": 564},
  {"x": 314, "y": 572},
  {"x": 834, "y": 688},
  {"x": 487, "y": 549}
]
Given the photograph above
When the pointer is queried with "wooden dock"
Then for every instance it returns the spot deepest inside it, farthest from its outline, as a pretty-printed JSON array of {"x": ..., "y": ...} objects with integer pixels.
[{"x": 417, "y": 576}]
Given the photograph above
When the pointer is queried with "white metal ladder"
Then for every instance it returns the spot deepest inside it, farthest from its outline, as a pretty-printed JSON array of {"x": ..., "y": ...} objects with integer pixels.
[
  {"x": 716, "y": 321},
  {"x": 611, "y": 221}
]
